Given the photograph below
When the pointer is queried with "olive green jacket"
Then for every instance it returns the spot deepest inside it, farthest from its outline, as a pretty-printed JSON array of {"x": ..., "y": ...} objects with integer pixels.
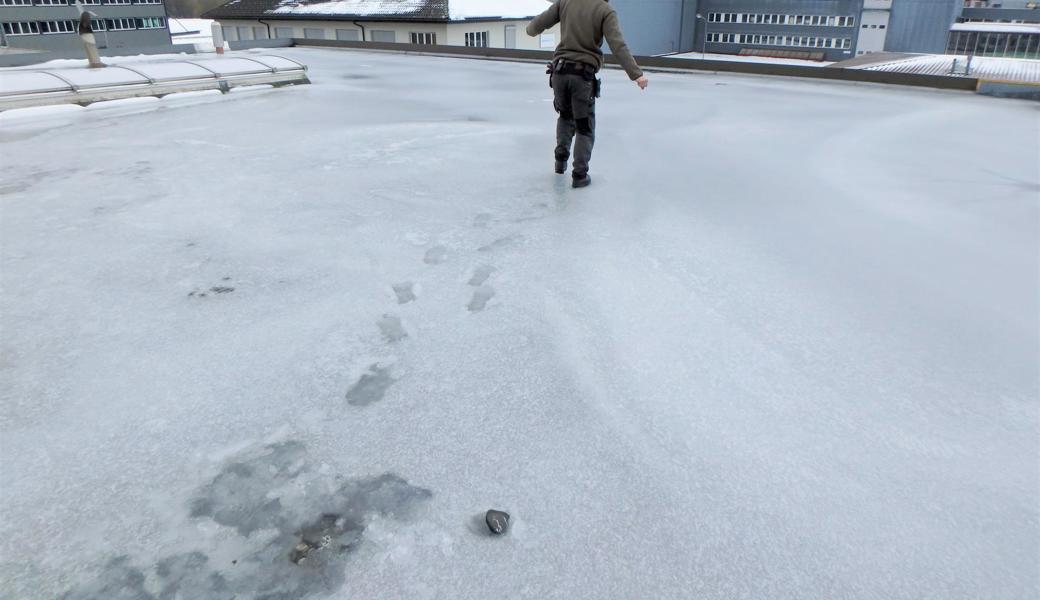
[{"x": 583, "y": 26}]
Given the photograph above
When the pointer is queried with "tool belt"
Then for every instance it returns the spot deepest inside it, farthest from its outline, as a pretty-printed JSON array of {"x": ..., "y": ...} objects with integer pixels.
[{"x": 569, "y": 67}]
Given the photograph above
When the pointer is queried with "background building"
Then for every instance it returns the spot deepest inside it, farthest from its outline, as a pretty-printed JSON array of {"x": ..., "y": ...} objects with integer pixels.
[
  {"x": 810, "y": 28},
  {"x": 836, "y": 30},
  {"x": 52, "y": 24},
  {"x": 658, "y": 27},
  {"x": 1010, "y": 28},
  {"x": 490, "y": 23}
]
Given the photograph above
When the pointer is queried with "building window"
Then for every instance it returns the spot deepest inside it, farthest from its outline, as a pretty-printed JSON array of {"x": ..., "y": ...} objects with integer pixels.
[
  {"x": 117, "y": 1},
  {"x": 15, "y": 2},
  {"x": 150, "y": 23},
  {"x": 148, "y": 1},
  {"x": 477, "y": 39},
  {"x": 91, "y": 2},
  {"x": 313, "y": 33},
  {"x": 244, "y": 33},
  {"x": 57, "y": 27},
  {"x": 381, "y": 35},
  {"x": 97, "y": 24},
  {"x": 259, "y": 33},
  {"x": 21, "y": 28},
  {"x": 283, "y": 33},
  {"x": 423, "y": 38},
  {"x": 348, "y": 35},
  {"x": 52, "y": 2},
  {"x": 119, "y": 24}
]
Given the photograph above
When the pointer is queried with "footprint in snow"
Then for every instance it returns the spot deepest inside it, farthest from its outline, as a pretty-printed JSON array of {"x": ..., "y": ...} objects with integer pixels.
[
  {"x": 435, "y": 255},
  {"x": 481, "y": 274},
  {"x": 370, "y": 387},
  {"x": 481, "y": 296},
  {"x": 391, "y": 328},
  {"x": 222, "y": 288},
  {"x": 405, "y": 292},
  {"x": 499, "y": 244}
]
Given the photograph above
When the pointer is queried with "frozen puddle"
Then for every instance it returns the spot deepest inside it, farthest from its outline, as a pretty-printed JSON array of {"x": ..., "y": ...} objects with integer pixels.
[{"x": 297, "y": 527}]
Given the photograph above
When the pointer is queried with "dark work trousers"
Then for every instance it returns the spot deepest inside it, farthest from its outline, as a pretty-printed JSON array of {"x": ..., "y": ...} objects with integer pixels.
[{"x": 575, "y": 100}]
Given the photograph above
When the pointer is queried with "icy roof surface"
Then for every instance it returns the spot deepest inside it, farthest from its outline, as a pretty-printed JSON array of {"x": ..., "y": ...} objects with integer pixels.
[{"x": 294, "y": 342}]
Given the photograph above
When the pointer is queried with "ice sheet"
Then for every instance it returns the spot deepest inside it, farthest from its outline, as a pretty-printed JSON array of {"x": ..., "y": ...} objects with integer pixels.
[{"x": 785, "y": 346}]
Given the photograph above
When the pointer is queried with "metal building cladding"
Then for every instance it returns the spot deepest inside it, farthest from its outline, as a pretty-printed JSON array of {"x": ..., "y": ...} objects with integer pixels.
[
  {"x": 51, "y": 24},
  {"x": 813, "y": 28}
]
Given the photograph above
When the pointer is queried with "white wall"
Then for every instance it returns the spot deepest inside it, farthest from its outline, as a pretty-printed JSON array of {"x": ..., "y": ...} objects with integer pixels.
[
  {"x": 451, "y": 34},
  {"x": 873, "y": 27},
  {"x": 497, "y": 34}
]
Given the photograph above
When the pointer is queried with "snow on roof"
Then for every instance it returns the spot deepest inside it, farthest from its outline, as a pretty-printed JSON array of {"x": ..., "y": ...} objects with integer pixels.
[
  {"x": 360, "y": 8},
  {"x": 180, "y": 27},
  {"x": 997, "y": 27},
  {"x": 983, "y": 67},
  {"x": 475, "y": 9},
  {"x": 422, "y": 10},
  {"x": 752, "y": 59}
]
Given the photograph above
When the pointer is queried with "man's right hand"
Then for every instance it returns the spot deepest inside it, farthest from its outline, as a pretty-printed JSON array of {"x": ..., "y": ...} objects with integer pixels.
[{"x": 642, "y": 82}]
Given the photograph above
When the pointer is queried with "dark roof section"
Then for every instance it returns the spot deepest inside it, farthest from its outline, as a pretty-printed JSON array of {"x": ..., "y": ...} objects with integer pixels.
[{"x": 367, "y": 10}]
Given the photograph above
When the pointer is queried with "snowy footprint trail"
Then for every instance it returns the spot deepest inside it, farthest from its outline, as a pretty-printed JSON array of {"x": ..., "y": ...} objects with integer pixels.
[{"x": 801, "y": 365}]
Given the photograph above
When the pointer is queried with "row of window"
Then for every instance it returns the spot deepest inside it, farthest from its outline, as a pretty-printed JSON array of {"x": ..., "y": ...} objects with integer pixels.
[
  {"x": 473, "y": 38},
  {"x": 774, "y": 19},
  {"x": 801, "y": 41},
  {"x": 477, "y": 39},
  {"x": 73, "y": 2},
  {"x": 424, "y": 38},
  {"x": 981, "y": 43},
  {"x": 70, "y": 26},
  {"x": 865, "y": 26}
]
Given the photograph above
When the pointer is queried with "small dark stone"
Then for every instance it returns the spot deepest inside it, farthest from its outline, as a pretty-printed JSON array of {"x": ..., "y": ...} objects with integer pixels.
[
  {"x": 497, "y": 521},
  {"x": 221, "y": 289},
  {"x": 300, "y": 551},
  {"x": 234, "y": 562}
]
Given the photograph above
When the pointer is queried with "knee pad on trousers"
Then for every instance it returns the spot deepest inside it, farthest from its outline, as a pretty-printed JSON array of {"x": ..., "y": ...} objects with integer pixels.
[{"x": 585, "y": 126}]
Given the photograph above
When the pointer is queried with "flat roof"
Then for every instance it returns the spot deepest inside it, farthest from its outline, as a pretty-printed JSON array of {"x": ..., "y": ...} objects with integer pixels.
[
  {"x": 297, "y": 341},
  {"x": 997, "y": 27}
]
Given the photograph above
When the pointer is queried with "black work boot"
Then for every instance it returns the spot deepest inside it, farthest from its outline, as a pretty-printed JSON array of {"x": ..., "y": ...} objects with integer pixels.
[
  {"x": 561, "y": 167},
  {"x": 581, "y": 181}
]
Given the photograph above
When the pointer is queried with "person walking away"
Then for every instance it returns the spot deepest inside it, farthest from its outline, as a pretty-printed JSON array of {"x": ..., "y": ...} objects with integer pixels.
[{"x": 572, "y": 74}]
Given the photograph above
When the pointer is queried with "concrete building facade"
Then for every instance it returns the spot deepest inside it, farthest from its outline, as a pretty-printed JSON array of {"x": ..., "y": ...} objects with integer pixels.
[
  {"x": 494, "y": 24},
  {"x": 52, "y": 24},
  {"x": 497, "y": 33}
]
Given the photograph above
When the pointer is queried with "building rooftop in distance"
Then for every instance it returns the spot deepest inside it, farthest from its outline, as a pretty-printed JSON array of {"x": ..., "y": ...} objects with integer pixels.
[
  {"x": 990, "y": 68},
  {"x": 295, "y": 342},
  {"x": 419, "y": 10}
]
